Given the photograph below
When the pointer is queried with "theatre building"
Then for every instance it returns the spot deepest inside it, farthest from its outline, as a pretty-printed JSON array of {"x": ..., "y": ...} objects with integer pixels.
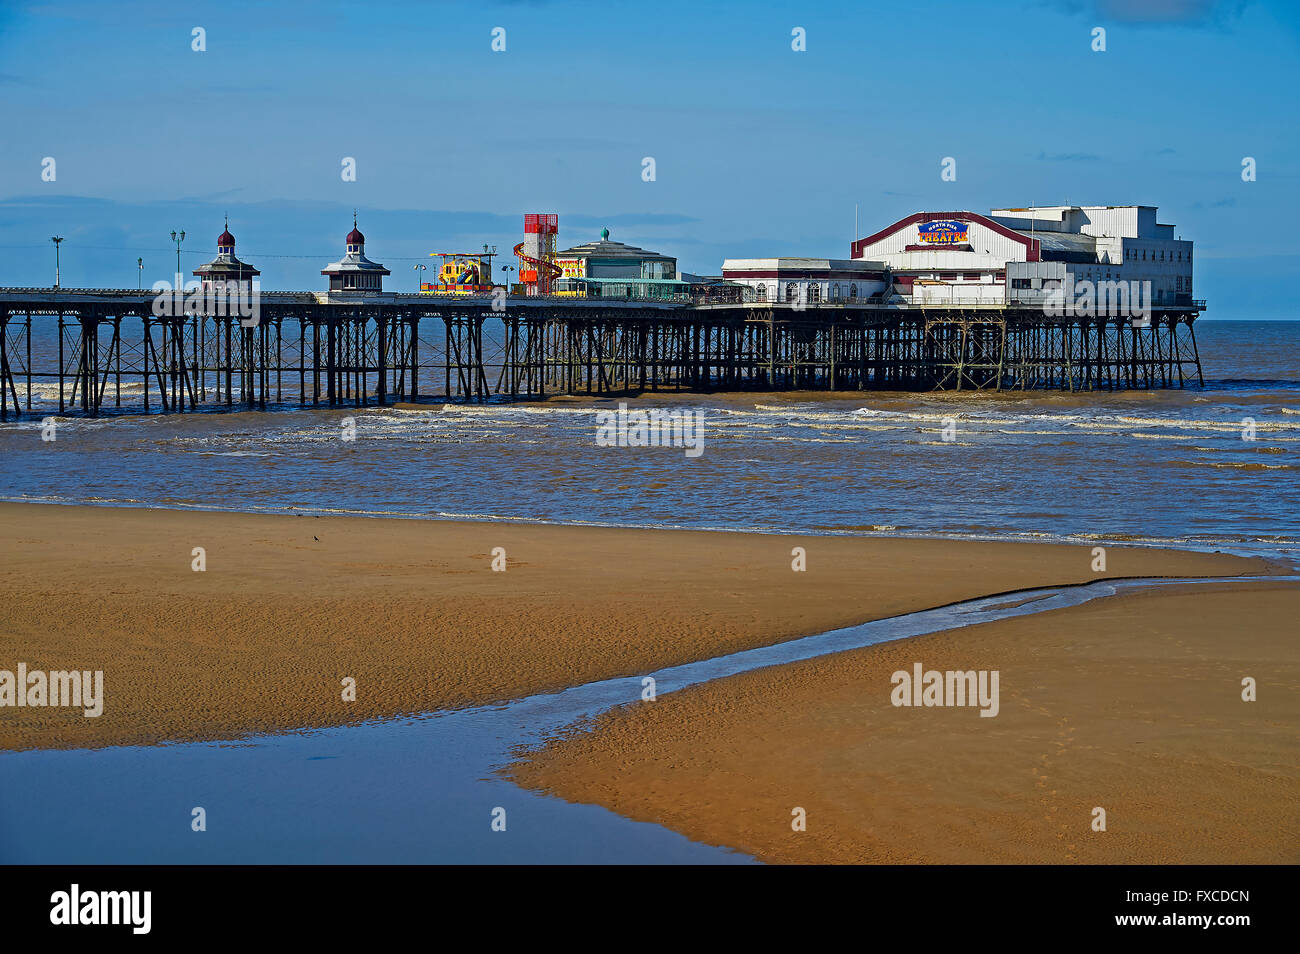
[{"x": 1015, "y": 256}]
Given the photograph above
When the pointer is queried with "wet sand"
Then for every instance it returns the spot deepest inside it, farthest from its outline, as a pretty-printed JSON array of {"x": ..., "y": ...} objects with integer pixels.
[
  {"x": 1132, "y": 704},
  {"x": 289, "y": 606}
]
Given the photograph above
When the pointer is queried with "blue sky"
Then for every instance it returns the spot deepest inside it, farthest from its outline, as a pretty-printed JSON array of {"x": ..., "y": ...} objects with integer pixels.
[{"x": 759, "y": 150}]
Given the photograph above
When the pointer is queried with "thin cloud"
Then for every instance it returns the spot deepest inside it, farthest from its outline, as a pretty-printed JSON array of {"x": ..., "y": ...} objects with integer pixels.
[
  {"x": 1219, "y": 14},
  {"x": 1153, "y": 12}
]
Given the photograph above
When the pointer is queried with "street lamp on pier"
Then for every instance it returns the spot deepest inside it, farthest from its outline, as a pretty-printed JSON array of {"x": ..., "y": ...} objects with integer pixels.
[
  {"x": 419, "y": 276},
  {"x": 56, "y": 239},
  {"x": 139, "y": 278},
  {"x": 178, "y": 238}
]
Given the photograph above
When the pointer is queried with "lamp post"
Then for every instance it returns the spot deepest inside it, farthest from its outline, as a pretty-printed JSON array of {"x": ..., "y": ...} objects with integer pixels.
[
  {"x": 178, "y": 237},
  {"x": 56, "y": 239},
  {"x": 419, "y": 277},
  {"x": 139, "y": 277},
  {"x": 507, "y": 269}
]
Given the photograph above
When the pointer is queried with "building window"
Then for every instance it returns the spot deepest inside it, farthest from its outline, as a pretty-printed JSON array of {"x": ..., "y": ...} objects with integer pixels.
[
  {"x": 853, "y": 292},
  {"x": 1021, "y": 282},
  {"x": 835, "y": 292},
  {"x": 947, "y": 276},
  {"x": 814, "y": 292},
  {"x": 761, "y": 292}
]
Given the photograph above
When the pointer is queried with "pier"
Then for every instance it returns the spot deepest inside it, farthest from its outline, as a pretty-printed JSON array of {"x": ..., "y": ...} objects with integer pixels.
[{"x": 97, "y": 351}]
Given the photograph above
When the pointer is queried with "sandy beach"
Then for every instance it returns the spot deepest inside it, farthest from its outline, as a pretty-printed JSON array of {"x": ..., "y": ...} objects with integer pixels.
[
  {"x": 1132, "y": 704},
  {"x": 290, "y": 606}
]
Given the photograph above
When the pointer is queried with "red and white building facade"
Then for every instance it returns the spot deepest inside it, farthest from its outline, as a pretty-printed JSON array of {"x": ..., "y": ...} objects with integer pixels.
[{"x": 1017, "y": 256}]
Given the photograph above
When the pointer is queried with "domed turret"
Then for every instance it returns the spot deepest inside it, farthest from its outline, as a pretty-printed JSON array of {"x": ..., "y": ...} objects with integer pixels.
[
  {"x": 356, "y": 241},
  {"x": 225, "y": 267},
  {"x": 355, "y": 272},
  {"x": 226, "y": 241}
]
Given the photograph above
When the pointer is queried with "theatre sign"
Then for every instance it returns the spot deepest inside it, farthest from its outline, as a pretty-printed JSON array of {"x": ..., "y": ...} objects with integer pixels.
[{"x": 942, "y": 232}]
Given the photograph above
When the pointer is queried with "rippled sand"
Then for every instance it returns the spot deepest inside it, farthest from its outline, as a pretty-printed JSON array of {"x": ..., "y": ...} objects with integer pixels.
[
  {"x": 1132, "y": 704},
  {"x": 289, "y": 606}
]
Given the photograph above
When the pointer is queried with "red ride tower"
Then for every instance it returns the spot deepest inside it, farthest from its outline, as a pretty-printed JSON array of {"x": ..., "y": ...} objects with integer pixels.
[{"x": 537, "y": 268}]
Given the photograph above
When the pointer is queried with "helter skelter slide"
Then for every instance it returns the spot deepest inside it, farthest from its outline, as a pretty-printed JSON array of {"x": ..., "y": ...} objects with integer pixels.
[{"x": 537, "y": 268}]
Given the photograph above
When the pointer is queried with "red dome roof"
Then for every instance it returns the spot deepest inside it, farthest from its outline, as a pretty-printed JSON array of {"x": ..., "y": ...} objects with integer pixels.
[
  {"x": 355, "y": 237},
  {"x": 225, "y": 238}
]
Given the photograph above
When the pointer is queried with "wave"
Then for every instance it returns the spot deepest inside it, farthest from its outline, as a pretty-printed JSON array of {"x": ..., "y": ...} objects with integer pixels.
[
  {"x": 1233, "y": 465},
  {"x": 1281, "y": 384}
]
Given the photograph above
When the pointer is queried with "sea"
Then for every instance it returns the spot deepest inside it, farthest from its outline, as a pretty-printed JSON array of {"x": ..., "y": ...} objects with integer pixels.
[{"x": 1210, "y": 467}]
